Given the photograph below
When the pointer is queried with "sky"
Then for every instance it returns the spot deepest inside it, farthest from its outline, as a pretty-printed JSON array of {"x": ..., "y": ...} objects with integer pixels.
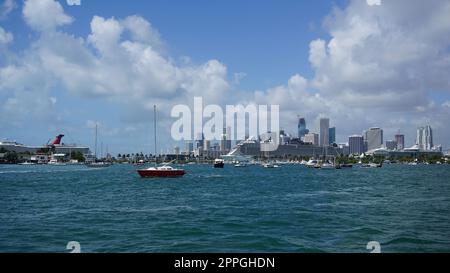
[{"x": 67, "y": 65}]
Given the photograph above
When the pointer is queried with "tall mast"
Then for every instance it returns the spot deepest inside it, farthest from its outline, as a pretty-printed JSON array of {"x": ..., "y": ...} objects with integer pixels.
[
  {"x": 95, "y": 152},
  {"x": 154, "y": 128}
]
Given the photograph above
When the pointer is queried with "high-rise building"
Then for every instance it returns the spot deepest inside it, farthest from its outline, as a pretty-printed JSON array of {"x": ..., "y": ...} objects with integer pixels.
[
  {"x": 228, "y": 140},
  {"x": 224, "y": 142},
  {"x": 391, "y": 145},
  {"x": 189, "y": 147},
  {"x": 199, "y": 141},
  {"x": 207, "y": 145},
  {"x": 324, "y": 132},
  {"x": 302, "y": 131},
  {"x": 400, "y": 140},
  {"x": 312, "y": 138},
  {"x": 374, "y": 138},
  {"x": 332, "y": 135},
  {"x": 356, "y": 144},
  {"x": 424, "y": 139},
  {"x": 176, "y": 150}
]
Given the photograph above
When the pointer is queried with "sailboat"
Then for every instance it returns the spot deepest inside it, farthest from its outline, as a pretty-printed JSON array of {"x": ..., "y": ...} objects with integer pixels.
[
  {"x": 95, "y": 163},
  {"x": 163, "y": 171}
]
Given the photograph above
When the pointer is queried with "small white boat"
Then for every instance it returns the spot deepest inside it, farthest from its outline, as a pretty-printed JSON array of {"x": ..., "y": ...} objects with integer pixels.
[
  {"x": 240, "y": 165},
  {"x": 327, "y": 166},
  {"x": 312, "y": 163},
  {"x": 371, "y": 165},
  {"x": 27, "y": 163},
  {"x": 100, "y": 164},
  {"x": 55, "y": 162}
]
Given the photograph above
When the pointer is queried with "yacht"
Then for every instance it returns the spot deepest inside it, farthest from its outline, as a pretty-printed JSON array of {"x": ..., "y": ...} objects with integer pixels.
[
  {"x": 219, "y": 163},
  {"x": 312, "y": 163},
  {"x": 240, "y": 165}
]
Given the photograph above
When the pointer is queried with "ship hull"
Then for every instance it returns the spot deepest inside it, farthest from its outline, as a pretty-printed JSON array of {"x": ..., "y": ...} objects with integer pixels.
[{"x": 161, "y": 173}]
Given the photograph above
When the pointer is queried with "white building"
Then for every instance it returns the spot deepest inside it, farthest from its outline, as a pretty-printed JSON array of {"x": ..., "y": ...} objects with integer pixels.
[
  {"x": 374, "y": 138},
  {"x": 312, "y": 138},
  {"x": 424, "y": 138}
]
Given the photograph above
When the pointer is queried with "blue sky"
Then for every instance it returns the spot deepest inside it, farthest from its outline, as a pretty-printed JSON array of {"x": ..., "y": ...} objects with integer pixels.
[{"x": 269, "y": 42}]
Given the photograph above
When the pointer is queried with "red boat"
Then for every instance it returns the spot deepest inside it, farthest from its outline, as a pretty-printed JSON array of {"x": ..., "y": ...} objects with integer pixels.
[{"x": 164, "y": 171}]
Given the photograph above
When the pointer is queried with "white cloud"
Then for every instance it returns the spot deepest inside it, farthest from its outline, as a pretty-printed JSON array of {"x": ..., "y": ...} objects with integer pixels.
[
  {"x": 387, "y": 56},
  {"x": 45, "y": 15},
  {"x": 122, "y": 61},
  {"x": 74, "y": 2},
  {"x": 373, "y": 2},
  {"x": 378, "y": 67},
  {"x": 5, "y": 37},
  {"x": 238, "y": 77}
]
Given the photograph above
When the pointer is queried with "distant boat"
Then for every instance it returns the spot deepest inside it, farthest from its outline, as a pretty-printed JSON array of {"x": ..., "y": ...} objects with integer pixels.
[
  {"x": 371, "y": 165},
  {"x": 27, "y": 163},
  {"x": 327, "y": 166},
  {"x": 219, "y": 163},
  {"x": 270, "y": 165},
  {"x": 163, "y": 171},
  {"x": 312, "y": 163},
  {"x": 95, "y": 163},
  {"x": 240, "y": 165},
  {"x": 55, "y": 162},
  {"x": 347, "y": 166},
  {"x": 100, "y": 164}
]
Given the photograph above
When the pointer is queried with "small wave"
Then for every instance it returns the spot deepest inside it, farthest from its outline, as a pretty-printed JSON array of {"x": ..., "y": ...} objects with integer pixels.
[
  {"x": 48, "y": 171},
  {"x": 409, "y": 240}
]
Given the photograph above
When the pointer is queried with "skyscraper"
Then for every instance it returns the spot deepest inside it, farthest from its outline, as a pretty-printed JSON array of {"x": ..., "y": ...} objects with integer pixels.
[
  {"x": 400, "y": 139},
  {"x": 189, "y": 147},
  {"x": 207, "y": 145},
  {"x": 356, "y": 144},
  {"x": 374, "y": 138},
  {"x": 225, "y": 143},
  {"x": 332, "y": 135},
  {"x": 302, "y": 131},
  {"x": 199, "y": 141},
  {"x": 324, "y": 131},
  {"x": 228, "y": 140},
  {"x": 424, "y": 139}
]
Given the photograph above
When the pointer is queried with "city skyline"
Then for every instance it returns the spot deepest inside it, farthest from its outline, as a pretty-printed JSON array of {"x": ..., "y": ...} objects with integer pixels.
[{"x": 65, "y": 68}]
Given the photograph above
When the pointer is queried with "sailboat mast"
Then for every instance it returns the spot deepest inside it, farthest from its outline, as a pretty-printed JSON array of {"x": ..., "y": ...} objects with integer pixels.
[
  {"x": 154, "y": 128},
  {"x": 95, "y": 147}
]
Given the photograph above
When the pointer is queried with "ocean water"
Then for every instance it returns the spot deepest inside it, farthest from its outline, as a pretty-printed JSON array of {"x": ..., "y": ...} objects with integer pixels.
[{"x": 290, "y": 209}]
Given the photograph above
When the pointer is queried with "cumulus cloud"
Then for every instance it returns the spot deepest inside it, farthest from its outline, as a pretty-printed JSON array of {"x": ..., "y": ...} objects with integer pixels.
[
  {"x": 373, "y": 2},
  {"x": 379, "y": 67},
  {"x": 5, "y": 37},
  {"x": 45, "y": 15},
  {"x": 389, "y": 53},
  {"x": 73, "y": 2},
  {"x": 123, "y": 61},
  {"x": 378, "y": 63}
]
